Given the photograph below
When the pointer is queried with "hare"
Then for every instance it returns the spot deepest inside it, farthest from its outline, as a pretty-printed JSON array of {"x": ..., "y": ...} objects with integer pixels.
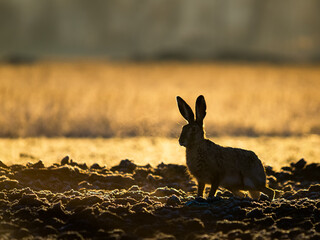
[{"x": 231, "y": 168}]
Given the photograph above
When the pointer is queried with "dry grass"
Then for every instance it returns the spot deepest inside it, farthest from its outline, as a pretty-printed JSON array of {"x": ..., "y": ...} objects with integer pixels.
[
  {"x": 274, "y": 151},
  {"x": 86, "y": 99}
]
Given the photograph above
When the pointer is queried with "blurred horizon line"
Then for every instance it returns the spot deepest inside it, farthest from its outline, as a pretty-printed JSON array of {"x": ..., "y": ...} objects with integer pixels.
[{"x": 28, "y": 59}]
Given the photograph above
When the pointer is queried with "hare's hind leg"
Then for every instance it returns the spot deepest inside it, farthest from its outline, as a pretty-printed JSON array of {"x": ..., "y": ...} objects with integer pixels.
[
  {"x": 269, "y": 192},
  {"x": 238, "y": 193}
]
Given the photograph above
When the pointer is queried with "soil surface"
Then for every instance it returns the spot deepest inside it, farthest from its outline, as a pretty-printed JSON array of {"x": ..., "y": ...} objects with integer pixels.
[{"x": 75, "y": 201}]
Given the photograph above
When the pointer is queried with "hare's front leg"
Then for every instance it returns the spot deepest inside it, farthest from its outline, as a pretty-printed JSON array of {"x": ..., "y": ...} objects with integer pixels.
[
  {"x": 214, "y": 187},
  {"x": 200, "y": 188}
]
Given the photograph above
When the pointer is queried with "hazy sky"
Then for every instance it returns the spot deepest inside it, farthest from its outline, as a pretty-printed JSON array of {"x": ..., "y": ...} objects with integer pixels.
[{"x": 187, "y": 29}]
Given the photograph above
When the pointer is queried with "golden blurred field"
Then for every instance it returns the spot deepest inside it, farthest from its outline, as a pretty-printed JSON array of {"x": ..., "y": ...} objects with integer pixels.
[
  {"x": 103, "y": 99},
  {"x": 274, "y": 151},
  {"x": 104, "y": 112}
]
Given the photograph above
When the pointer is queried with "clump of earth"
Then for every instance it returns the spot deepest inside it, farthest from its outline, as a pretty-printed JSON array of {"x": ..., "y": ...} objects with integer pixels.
[{"x": 74, "y": 201}]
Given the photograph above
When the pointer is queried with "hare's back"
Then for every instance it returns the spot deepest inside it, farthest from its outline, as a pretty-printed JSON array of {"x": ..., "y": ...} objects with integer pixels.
[
  {"x": 247, "y": 159},
  {"x": 236, "y": 158},
  {"x": 247, "y": 165}
]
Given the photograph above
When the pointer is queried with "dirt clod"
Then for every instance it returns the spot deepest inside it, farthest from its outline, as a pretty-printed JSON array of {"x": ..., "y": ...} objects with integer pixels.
[{"x": 71, "y": 201}]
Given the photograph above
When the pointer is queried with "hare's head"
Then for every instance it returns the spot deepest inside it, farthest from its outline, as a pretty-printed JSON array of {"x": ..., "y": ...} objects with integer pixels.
[{"x": 193, "y": 131}]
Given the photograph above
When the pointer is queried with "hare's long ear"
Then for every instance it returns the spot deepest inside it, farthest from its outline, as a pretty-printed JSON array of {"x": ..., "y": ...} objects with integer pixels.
[
  {"x": 185, "y": 110},
  {"x": 201, "y": 108}
]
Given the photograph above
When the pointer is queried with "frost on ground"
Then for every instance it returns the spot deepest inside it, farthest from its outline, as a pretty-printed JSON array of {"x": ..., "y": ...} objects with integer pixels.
[{"x": 74, "y": 201}]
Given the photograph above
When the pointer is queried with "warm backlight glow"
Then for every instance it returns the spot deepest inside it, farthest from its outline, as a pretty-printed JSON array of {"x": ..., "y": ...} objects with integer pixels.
[{"x": 92, "y": 99}]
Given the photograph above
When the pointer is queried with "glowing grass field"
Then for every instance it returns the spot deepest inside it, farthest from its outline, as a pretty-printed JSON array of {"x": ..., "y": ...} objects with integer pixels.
[
  {"x": 100, "y": 113},
  {"x": 277, "y": 105}
]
